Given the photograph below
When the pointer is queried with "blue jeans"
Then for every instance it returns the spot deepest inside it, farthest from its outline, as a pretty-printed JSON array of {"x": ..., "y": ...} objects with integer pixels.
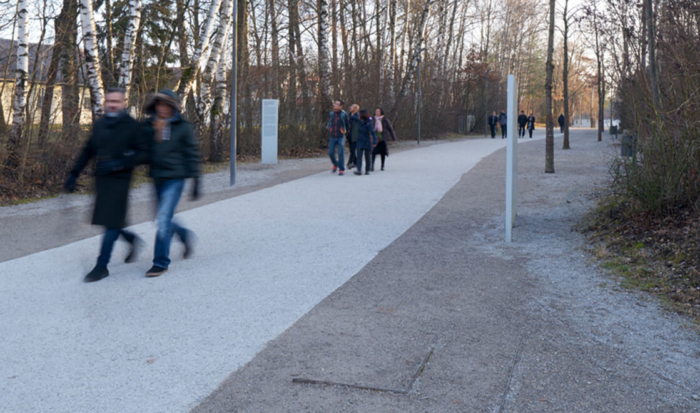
[
  {"x": 110, "y": 237},
  {"x": 340, "y": 144},
  {"x": 504, "y": 131},
  {"x": 168, "y": 193}
]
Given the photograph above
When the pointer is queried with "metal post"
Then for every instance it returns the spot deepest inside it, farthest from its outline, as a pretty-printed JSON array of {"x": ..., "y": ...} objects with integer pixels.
[
  {"x": 419, "y": 97},
  {"x": 234, "y": 100}
]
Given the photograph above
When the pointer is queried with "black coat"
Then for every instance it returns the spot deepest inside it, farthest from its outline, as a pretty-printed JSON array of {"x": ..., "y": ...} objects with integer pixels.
[
  {"x": 531, "y": 122},
  {"x": 118, "y": 139},
  {"x": 522, "y": 120},
  {"x": 493, "y": 120},
  {"x": 178, "y": 156},
  {"x": 562, "y": 120}
]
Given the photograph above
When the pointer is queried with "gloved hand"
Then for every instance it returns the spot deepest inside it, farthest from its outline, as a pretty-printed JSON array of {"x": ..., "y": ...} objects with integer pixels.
[
  {"x": 71, "y": 183},
  {"x": 195, "y": 190},
  {"x": 108, "y": 166}
]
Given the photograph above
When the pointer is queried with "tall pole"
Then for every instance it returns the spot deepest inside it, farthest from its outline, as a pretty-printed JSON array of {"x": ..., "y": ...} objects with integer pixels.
[
  {"x": 234, "y": 100},
  {"x": 486, "y": 105},
  {"x": 419, "y": 97}
]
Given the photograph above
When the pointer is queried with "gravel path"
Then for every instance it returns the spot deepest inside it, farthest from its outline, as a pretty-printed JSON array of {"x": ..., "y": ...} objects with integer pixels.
[
  {"x": 449, "y": 318},
  {"x": 264, "y": 259}
]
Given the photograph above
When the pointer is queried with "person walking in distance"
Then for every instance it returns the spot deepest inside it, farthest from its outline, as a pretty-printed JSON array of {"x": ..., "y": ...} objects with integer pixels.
[
  {"x": 503, "y": 121},
  {"x": 174, "y": 158},
  {"x": 522, "y": 122},
  {"x": 384, "y": 130},
  {"x": 353, "y": 121},
  {"x": 530, "y": 124},
  {"x": 562, "y": 121},
  {"x": 493, "y": 121},
  {"x": 117, "y": 144},
  {"x": 366, "y": 140},
  {"x": 337, "y": 127}
]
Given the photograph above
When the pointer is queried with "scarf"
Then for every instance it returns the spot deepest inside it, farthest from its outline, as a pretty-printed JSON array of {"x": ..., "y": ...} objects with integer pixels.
[
  {"x": 378, "y": 124},
  {"x": 162, "y": 127}
]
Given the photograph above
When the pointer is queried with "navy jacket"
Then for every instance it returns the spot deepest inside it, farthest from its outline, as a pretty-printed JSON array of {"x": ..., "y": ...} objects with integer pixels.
[
  {"x": 503, "y": 119},
  {"x": 366, "y": 138}
]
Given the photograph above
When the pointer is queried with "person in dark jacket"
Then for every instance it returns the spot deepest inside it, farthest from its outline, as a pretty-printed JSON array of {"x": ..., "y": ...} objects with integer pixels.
[
  {"x": 530, "y": 124},
  {"x": 353, "y": 121},
  {"x": 522, "y": 122},
  {"x": 503, "y": 121},
  {"x": 366, "y": 140},
  {"x": 493, "y": 121},
  {"x": 384, "y": 131},
  {"x": 337, "y": 127},
  {"x": 562, "y": 121},
  {"x": 117, "y": 144},
  {"x": 174, "y": 157}
]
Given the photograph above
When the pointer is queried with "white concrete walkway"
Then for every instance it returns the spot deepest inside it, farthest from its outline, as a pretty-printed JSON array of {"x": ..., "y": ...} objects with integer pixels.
[{"x": 131, "y": 344}]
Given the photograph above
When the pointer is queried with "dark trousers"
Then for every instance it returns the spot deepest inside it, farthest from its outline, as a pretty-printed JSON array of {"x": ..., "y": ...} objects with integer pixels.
[
  {"x": 504, "y": 131},
  {"x": 493, "y": 131},
  {"x": 110, "y": 237},
  {"x": 367, "y": 154},
  {"x": 353, "y": 152},
  {"x": 380, "y": 150},
  {"x": 562, "y": 128},
  {"x": 521, "y": 131},
  {"x": 530, "y": 131}
]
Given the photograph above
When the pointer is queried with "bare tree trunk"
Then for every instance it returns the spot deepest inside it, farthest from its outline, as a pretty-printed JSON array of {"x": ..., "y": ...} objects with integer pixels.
[
  {"x": 111, "y": 73},
  {"x": 277, "y": 90},
  {"x": 651, "y": 42},
  {"x": 14, "y": 142},
  {"x": 415, "y": 53},
  {"x": 392, "y": 53},
  {"x": 334, "y": 49},
  {"x": 92, "y": 58},
  {"x": 127, "y": 61},
  {"x": 599, "y": 57},
  {"x": 182, "y": 32},
  {"x": 189, "y": 74},
  {"x": 549, "y": 150},
  {"x": 216, "y": 148},
  {"x": 323, "y": 61},
  {"x": 70, "y": 98},
  {"x": 61, "y": 30},
  {"x": 566, "y": 75}
]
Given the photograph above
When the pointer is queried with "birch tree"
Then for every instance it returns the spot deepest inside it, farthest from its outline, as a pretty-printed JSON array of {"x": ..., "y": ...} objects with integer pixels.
[
  {"x": 217, "y": 113},
  {"x": 189, "y": 74},
  {"x": 20, "y": 98},
  {"x": 323, "y": 55},
  {"x": 549, "y": 144},
  {"x": 220, "y": 38},
  {"x": 92, "y": 58},
  {"x": 392, "y": 52},
  {"x": 416, "y": 52},
  {"x": 127, "y": 60},
  {"x": 565, "y": 75}
]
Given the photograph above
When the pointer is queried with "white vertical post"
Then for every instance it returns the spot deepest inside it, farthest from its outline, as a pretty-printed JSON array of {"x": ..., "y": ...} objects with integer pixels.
[
  {"x": 511, "y": 158},
  {"x": 269, "y": 130}
]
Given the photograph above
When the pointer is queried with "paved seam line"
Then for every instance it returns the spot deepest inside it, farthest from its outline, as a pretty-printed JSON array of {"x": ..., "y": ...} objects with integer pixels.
[
  {"x": 418, "y": 372},
  {"x": 518, "y": 353}
]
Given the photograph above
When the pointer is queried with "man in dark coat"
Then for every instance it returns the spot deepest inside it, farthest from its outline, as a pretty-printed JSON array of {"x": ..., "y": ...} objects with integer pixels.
[
  {"x": 522, "y": 122},
  {"x": 503, "y": 121},
  {"x": 562, "y": 121},
  {"x": 493, "y": 121},
  {"x": 118, "y": 146},
  {"x": 174, "y": 157}
]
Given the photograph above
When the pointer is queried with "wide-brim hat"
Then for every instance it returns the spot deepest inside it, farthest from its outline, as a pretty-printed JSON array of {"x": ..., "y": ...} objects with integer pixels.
[{"x": 165, "y": 96}]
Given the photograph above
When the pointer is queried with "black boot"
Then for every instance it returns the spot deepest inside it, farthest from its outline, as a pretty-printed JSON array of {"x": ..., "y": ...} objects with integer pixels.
[
  {"x": 136, "y": 246},
  {"x": 188, "y": 240},
  {"x": 97, "y": 273}
]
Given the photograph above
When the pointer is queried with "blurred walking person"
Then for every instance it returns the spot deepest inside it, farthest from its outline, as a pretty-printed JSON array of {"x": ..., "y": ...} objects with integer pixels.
[
  {"x": 503, "y": 121},
  {"x": 174, "y": 158},
  {"x": 522, "y": 122},
  {"x": 337, "y": 127},
  {"x": 353, "y": 121},
  {"x": 384, "y": 130},
  {"x": 531, "y": 124},
  {"x": 366, "y": 141},
  {"x": 562, "y": 121},
  {"x": 117, "y": 144},
  {"x": 493, "y": 121}
]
